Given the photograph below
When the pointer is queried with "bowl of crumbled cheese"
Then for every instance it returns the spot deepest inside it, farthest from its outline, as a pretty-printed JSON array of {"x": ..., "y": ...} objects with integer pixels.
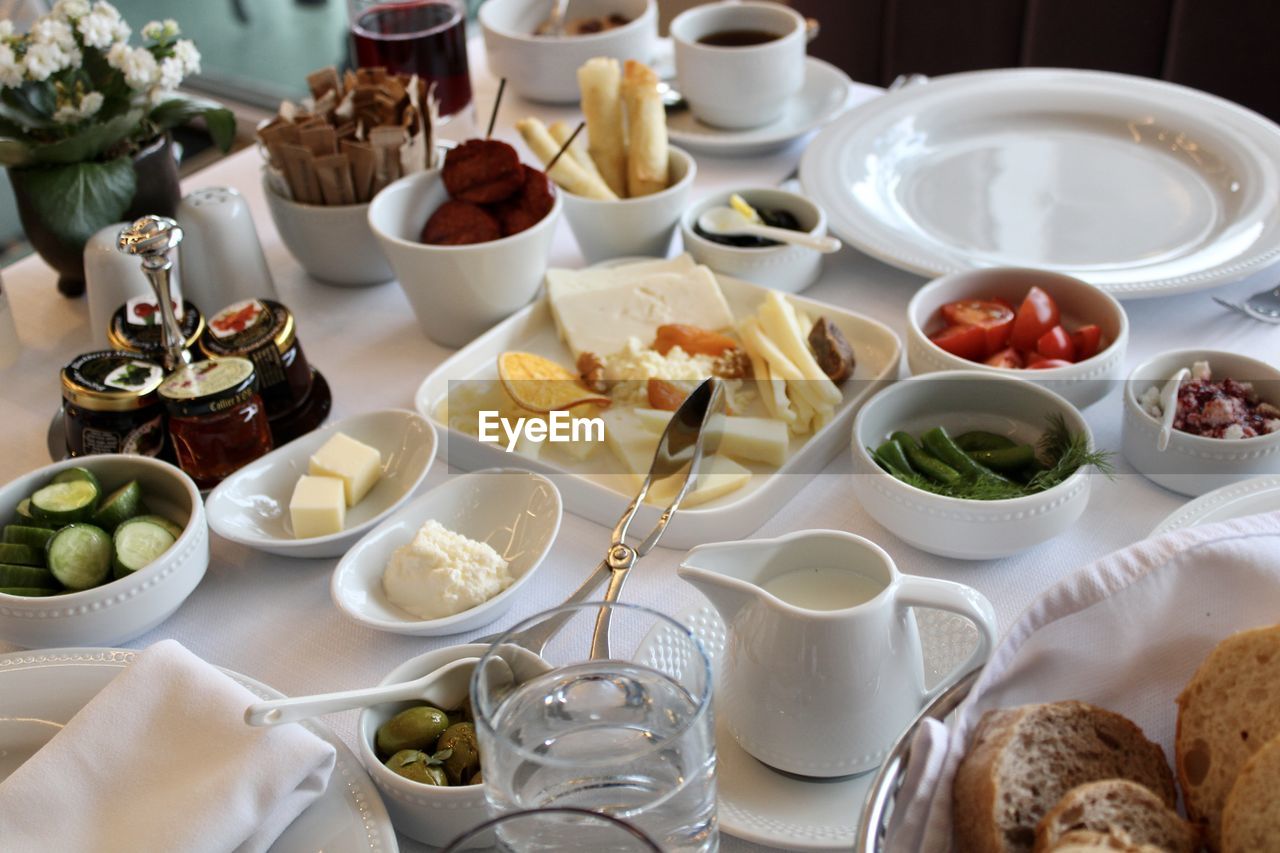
[{"x": 452, "y": 559}]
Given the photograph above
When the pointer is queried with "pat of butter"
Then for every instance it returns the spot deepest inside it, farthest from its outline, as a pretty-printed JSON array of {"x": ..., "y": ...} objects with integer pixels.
[
  {"x": 317, "y": 507},
  {"x": 357, "y": 465}
]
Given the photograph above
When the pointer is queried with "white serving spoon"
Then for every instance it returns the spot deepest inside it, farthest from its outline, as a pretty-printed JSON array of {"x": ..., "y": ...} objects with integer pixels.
[
  {"x": 445, "y": 687},
  {"x": 727, "y": 222},
  {"x": 1169, "y": 407}
]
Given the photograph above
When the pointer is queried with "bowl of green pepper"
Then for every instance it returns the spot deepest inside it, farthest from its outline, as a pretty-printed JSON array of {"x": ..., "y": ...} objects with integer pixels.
[{"x": 971, "y": 465}]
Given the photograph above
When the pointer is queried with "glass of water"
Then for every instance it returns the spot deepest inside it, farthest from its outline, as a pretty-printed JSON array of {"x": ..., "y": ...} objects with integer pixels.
[
  {"x": 630, "y": 736},
  {"x": 564, "y": 829}
]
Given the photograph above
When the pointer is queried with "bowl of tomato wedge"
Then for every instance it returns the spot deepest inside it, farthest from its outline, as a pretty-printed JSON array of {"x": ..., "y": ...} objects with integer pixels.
[{"x": 1052, "y": 329}]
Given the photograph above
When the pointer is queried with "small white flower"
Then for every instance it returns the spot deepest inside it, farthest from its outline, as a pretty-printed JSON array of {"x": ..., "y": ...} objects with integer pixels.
[
  {"x": 10, "y": 68},
  {"x": 69, "y": 10},
  {"x": 139, "y": 68},
  {"x": 97, "y": 30},
  {"x": 170, "y": 75},
  {"x": 44, "y": 59},
  {"x": 53, "y": 32},
  {"x": 118, "y": 55},
  {"x": 161, "y": 30},
  {"x": 184, "y": 50},
  {"x": 90, "y": 104}
]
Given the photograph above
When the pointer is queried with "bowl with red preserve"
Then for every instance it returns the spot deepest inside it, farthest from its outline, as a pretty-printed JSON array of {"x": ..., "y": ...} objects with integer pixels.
[
  {"x": 1055, "y": 330},
  {"x": 468, "y": 242},
  {"x": 1226, "y": 424}
]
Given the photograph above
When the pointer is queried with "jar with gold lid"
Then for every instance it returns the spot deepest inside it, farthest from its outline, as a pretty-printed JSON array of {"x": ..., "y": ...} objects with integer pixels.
[
  {"x": 217, "y": 421},
  {"x": 264, "y": 332},
  {"x": 136, "y": 327},
  {"x": 111, "y": 404}
]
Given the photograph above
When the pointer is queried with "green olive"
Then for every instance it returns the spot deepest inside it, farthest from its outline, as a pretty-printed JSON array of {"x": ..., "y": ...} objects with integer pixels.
[
  {"x": 464, "y": 760},
  {"x": 414, "y": 728},
  {"x": 416, "y": 766}
]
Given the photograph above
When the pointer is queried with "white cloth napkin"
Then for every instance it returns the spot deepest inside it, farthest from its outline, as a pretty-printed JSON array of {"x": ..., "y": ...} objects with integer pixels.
[
  {"x": 162, "y": 760},
  {"x": 1125, "y": 633}
]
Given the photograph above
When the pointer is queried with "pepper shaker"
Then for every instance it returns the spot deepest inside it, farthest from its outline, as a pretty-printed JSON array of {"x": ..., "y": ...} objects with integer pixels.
[
  {"x": 221, "y": 255},
  {"x": 112, "y": 279},
  {"x": 154, "y": 239}
]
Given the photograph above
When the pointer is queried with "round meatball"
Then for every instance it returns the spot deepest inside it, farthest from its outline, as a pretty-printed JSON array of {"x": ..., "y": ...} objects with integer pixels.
[
  {"x": 456, "y": 223},
  {"x": 527, "y": 207},
  {"x": 482, "y": 171}
]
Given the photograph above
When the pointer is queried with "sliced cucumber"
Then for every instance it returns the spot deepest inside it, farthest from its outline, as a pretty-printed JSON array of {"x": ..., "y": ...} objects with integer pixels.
[
  {"x": 25, "y": 576},
  {"x": 22, "y": 555},
  {"x": 120, "y": 506},
  {"x": 138, "y": 542},
  {"x": 71, "y": 475},
  {"x": 21, "y": 534},
  {"x": 66, "y": 502},
  {"x": 27, "y": 591},
  {"x": 173, "y": 527},
  {"x": 80, "y": 556},
  {"x": 25, "y": 517}
]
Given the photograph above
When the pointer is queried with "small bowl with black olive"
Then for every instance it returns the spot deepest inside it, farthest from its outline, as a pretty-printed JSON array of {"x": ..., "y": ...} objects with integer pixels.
[
  {"x": 424, "y": 760},
  {"x": 765, "y": 262}
]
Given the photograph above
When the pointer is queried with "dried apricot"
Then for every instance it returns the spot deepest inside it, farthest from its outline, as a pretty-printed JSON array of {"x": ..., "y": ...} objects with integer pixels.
[{"x": 692, "y": 339}]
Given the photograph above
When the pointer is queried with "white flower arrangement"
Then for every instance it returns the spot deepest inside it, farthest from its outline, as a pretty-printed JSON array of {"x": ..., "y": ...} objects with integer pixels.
[{"x": 74, "y": 95}]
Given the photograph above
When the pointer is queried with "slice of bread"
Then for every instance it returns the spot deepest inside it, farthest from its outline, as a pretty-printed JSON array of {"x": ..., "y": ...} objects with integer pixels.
[
  {"x": 1117, "y": 804},
  {"x": 1229, "y": 709},
  {"x": 1022, "y": 760},
  {"x": 1251, "y": 820},
  {"x": 1089, "y": 841}
]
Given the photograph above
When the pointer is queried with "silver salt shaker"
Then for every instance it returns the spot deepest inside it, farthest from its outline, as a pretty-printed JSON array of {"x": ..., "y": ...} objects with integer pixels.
[{"x": 221, "y": 255}]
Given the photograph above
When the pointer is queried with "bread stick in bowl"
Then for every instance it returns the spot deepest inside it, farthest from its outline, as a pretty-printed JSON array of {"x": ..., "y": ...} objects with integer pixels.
[
  {"x": 647, "y": 162},
  {"x": 599, "y": 80}
]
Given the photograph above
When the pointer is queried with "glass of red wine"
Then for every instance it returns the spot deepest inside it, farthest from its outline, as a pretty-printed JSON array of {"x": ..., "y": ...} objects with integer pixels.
[{"x": 423, "y": 37}]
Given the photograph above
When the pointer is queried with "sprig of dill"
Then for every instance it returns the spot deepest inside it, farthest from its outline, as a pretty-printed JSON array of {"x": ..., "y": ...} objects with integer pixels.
[{"x": 1060, "y": 453}]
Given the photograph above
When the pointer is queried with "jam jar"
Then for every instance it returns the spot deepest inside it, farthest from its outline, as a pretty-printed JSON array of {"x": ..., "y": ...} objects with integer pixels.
[
  {"x": 264, "y": 332},
  {"x": 135, "y": 327},
  {"x": 111, "y": 405},
  {"x": 217, "y": 422}
]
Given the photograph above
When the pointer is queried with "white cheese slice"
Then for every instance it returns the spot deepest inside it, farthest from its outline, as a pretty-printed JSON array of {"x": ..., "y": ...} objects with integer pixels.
[
  {"x": 654, "y": 420},
  {"x": 750, "y": 439},
  {"x": 318, "y": 507},
  {"x": 598, "y": 310},
  {"x": 356, "y": 464},
  {"x": 630, "y": 442},
  {"x": 718, "y": 476}
]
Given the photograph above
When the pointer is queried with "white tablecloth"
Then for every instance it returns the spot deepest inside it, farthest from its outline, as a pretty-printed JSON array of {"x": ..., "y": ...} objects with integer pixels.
[{"x": 271, "y": 617}]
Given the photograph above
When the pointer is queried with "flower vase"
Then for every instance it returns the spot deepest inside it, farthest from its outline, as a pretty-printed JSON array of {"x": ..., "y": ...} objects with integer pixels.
[{"x": 157, "y": 192}]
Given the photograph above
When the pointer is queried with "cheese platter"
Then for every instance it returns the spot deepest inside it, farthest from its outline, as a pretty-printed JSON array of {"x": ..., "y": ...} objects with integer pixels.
[{"x": 776, "y": 436}]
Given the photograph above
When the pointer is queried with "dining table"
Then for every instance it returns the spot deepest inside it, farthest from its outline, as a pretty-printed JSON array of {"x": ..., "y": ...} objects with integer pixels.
[{"x": 271, "y": 617}]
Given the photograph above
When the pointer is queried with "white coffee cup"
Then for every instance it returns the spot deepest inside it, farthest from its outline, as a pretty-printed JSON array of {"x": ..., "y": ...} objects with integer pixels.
[{"x": 739, "y": 87}]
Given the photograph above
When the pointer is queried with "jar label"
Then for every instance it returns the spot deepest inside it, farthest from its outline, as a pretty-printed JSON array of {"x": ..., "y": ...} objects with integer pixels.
[
  {"x": 109, "y": 371},
  {"x": 145, "y": 311},
  {"x": 100, "y": 441},
  {"x": 206, "y": 378},
  {"x": 248, "y": 318},
  {"x": 139, "y": 376},
  {"x": 146, "y": 439}
]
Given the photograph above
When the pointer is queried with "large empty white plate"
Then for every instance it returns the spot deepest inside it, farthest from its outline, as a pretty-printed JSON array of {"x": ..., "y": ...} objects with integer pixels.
[{"x": 1142, "y": 187}]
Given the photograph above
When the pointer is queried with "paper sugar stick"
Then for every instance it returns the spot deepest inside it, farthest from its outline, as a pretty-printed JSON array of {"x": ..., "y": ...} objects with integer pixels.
[
  {"x": 333, "y": 173},
  {"x": 363, "y": 165}
]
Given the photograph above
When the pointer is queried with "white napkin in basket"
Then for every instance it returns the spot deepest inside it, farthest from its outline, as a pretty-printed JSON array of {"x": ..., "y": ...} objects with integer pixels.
[
  {"x": 1125, "y": 633},
  {"x": 162, "y": 760}
]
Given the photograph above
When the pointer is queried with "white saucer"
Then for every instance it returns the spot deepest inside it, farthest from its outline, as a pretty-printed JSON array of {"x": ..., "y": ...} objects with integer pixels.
[
  {"x": 1260, "y": 494},
  {"x": 827, "y": 93},
  {"x": 766, "y": 807}
]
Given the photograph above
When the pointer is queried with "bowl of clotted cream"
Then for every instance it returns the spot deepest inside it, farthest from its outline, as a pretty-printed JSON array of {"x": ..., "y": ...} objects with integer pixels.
[{"x": 452, "y": 559}]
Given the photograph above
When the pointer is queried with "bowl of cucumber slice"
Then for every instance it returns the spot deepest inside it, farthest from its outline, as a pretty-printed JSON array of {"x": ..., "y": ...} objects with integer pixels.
[{"x": 97, "y": 550}]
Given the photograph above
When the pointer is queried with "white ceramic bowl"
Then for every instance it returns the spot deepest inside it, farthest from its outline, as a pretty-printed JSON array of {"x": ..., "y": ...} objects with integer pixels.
[
  {"x": 425, "y": 813},
  {"x": 252, "y": 505},
  {"x": 545, "y": 68},
  {"x": 332, "y": 243},
  {"x": 1081, "y": 303},
  {"x": 457, "y": 291},
  {"x": 632, "y": 227},
  {"x": 961, "y": 401},
  {"x": 517, "y": 512},
  {"x": 121, "y": 609},
  {"x": 1196, "y": 464},
  {"x": 787, "y": 268}
]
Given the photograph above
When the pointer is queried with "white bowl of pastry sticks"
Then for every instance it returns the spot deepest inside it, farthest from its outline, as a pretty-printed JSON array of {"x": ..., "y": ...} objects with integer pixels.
[
  {"x": 624, "y": 186},
  {"x": 542, "y": 67}
]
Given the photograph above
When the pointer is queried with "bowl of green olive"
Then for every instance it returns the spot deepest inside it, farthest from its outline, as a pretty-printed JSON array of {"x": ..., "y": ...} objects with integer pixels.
[{"x": 425, "y": 760}]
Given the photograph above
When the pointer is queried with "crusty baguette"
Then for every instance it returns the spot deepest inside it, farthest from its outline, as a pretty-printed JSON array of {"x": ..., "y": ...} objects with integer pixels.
[
  {"x": 1226, "y": 713},
  {"x": 1022, "y": 760},
  {"x": 1088, "y": 841},
  {"x": 1251, "y": 819},
  {"x": 1117, "y": 805}
]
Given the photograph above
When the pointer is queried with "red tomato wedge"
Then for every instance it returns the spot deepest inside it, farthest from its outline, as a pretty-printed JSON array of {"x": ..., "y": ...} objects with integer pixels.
[
  {"x": 993, "y": 316},
  {"x": 1037, "y": 363},
  {"x": 1087, "y": 341},
  {"x": 1056, "y": 343},
  {"x": 1008, "y": 358},
  {"x": 1037, "y": 314},
  {"x": 968, "y": 342}
]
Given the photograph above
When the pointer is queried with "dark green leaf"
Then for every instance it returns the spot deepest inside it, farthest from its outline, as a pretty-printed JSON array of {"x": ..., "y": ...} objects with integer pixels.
[
  {"x": 20, "y": 114},
  {"x": 89, "y": 142},
  {"x": 77, "y": 199},
  {"x": 220, "y": 121},
  {"x": 39, "y": 97}
]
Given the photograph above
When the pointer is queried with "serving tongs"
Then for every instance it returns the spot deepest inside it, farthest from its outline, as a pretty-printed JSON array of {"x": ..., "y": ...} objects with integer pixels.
[{"x": 680, "y": 449}]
